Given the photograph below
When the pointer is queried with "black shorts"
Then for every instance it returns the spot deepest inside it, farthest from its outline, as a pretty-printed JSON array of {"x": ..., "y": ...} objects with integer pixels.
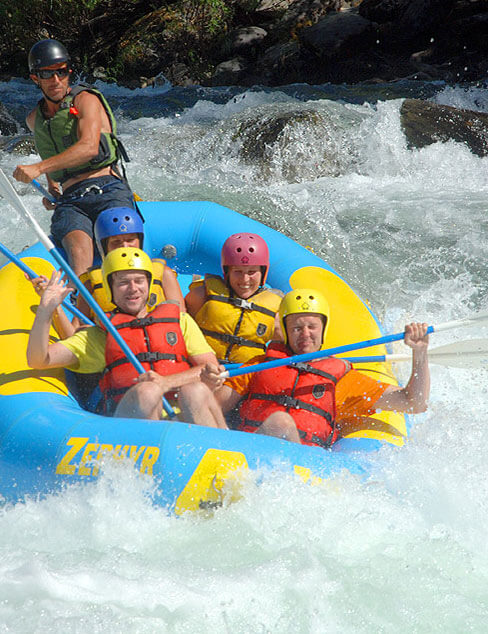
[{"x": 81, "y": 203}]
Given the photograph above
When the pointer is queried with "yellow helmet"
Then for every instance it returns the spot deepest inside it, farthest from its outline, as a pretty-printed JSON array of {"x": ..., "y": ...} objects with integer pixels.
[
  {"x": 125, "y": 259},
  {"x": 303, "y": 301}
]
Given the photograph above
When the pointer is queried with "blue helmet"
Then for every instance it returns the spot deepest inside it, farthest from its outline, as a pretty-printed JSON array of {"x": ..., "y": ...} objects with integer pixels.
[{"x": 114, "y": 222}]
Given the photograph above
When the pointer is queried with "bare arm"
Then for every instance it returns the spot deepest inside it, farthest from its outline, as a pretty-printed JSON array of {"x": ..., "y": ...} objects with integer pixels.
[
  {"x": 30, "y": 120},
  {"x": 171, "y": 288},
  {"x": 278, "y": 333},
  {"x": 92, "y": 119},
  {"x": 195, "y": 299},
  {"x": 414, "y": 396},
  {"x": 40, "y": 353},
  {"x": 204, "y": 359},
  {"x": 169, "y": 382}
]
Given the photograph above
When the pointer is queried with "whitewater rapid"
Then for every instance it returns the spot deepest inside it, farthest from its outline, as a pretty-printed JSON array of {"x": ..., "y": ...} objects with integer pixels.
[{"x": 406, "y": 551}]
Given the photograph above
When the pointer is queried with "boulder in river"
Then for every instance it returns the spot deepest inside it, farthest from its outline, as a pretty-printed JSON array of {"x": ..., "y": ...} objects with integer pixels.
[
  {"x": 295, "y": 143},
  {"x": 424, "y": 123}
]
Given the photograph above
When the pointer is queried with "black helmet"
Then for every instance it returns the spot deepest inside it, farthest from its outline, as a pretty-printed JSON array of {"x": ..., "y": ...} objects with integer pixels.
[{"x": 46, "y": 53}]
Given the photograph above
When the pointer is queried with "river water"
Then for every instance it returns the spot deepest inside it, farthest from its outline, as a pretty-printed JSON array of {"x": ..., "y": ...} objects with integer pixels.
[{"x": 406, "y": 551}]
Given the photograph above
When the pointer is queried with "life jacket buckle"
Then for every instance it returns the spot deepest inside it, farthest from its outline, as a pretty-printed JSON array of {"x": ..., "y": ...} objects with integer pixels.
[
  {"x": 149, "y": 357},
  {"x": 135, "y": 323},
  {"x": 289, "y": 401},
  {"x": 301, "y": 366},
  {"x": 243, "y": 303}
]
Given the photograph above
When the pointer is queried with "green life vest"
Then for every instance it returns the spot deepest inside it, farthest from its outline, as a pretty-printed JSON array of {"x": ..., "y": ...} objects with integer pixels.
[{"x": 53, "y": 136}]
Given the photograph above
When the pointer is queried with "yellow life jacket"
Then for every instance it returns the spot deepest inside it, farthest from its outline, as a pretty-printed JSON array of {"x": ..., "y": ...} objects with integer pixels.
[
  {"x": 237, "y": 329},
  {"x": 94, "y": 276}
]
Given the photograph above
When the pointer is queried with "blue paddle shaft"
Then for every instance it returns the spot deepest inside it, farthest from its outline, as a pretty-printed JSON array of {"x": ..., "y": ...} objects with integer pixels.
[
  {"x": 32, "y": 274},
  {"x": 43, "y": 191},
  {"x": 311, "y": 356}
]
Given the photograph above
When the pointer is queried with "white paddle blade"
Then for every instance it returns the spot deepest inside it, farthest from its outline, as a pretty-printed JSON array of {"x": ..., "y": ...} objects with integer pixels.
[
  {"x": 469, "y": 354},
  {"x": 476, "y": 319},
  {"x": 7, "y": 190}
]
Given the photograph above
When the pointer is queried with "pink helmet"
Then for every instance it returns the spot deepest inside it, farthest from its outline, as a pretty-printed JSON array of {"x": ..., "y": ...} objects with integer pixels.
[{"x": 245, "y": 248}]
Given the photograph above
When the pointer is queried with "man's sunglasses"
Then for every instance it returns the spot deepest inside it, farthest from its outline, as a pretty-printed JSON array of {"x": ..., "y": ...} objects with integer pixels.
[{"x": 48, "y": 73}]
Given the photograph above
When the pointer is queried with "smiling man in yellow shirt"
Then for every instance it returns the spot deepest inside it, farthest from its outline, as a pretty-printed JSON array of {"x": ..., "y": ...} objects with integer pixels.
[{"x": 167, "y": 342}]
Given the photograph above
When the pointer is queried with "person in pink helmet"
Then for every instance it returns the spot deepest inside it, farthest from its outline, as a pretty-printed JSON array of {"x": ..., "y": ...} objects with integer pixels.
[{"x": 236, "y": 313}]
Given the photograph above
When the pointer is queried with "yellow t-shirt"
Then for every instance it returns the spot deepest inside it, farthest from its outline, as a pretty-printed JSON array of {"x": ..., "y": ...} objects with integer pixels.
[{"x": 88, "y": 345}]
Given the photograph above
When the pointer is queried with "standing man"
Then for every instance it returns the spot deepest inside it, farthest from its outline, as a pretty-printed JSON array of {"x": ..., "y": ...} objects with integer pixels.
[{"x": 75, "y": 136}]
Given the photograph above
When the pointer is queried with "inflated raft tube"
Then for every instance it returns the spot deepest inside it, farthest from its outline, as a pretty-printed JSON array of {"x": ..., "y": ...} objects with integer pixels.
[{"x": 48, "y": 441}]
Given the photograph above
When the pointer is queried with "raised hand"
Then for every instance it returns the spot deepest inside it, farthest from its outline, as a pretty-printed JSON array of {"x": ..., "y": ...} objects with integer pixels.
[
  {"x": 416, "y": 336},
  {"x": 54, "y": 292}
]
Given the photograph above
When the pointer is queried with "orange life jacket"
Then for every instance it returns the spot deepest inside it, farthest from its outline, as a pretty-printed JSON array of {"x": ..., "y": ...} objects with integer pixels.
[
  {"x": 156, "y": 340},
  {"x": 305, "y": 390}
]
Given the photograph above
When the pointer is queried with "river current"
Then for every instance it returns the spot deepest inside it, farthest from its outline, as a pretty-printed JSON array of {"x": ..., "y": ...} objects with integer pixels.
[{"x": 406, "y": 551}]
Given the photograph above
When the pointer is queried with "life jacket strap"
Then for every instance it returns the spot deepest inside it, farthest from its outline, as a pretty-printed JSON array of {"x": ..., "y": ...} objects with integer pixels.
[
  {"x": 241, "y": 303},
  {"x": 234, "y": 340},
  {"x": 253, "y": 423},
  {"x": 306, "y": 367},
  {"x": 293, "y": 403},
  {"x": 317, "y": 440},
  {"x": 142, "y": 322},
  {"x": 147, "y": 357}
]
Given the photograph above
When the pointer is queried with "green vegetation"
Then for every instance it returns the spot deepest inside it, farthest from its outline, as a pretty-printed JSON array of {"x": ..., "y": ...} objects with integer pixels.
[{"x": 125, "y": 37}]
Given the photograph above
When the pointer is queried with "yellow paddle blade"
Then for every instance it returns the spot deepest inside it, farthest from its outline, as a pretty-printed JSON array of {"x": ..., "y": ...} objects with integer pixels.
[
  {"x": 350, "y": 318},
  {"x": 137, "y": 198}
]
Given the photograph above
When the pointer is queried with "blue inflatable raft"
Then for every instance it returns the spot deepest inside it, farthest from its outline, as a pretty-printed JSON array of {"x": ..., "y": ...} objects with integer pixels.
[{"x": 47, "y": 441}]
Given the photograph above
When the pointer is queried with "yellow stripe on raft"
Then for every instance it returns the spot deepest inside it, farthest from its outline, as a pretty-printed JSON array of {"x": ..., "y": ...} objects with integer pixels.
[
  {"x": 16, "y": 321},
  {"x": 351, "y": 321}
]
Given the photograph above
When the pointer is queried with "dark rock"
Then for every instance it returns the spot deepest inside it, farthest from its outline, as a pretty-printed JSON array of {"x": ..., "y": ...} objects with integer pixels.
[
  {"x": 302, "y": 14},
  {"x": 258, "y": 135},
  {"x": 284, "y": 144},
  {"x": 178, "y": 74},
  {"x": 272, "y": 8},
  {"x": 245, "y": 40},
  {"x": 382, "y": 11},
  {"x": 424, "y": 123},
  {"x": 338, "y": 33},
  {"x": 420, "y": 16},
  {"x": 132, "y": 84},
  {"x": 229, "y": 73},
  {"x": 280, "y": 61}
]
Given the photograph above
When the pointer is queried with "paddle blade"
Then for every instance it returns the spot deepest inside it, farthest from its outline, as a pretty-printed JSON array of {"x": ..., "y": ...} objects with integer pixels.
[
  {"x": 472, "y": 353},
  {"x": 477, "y": 319},
  {"x": 469, "y": 354}
]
